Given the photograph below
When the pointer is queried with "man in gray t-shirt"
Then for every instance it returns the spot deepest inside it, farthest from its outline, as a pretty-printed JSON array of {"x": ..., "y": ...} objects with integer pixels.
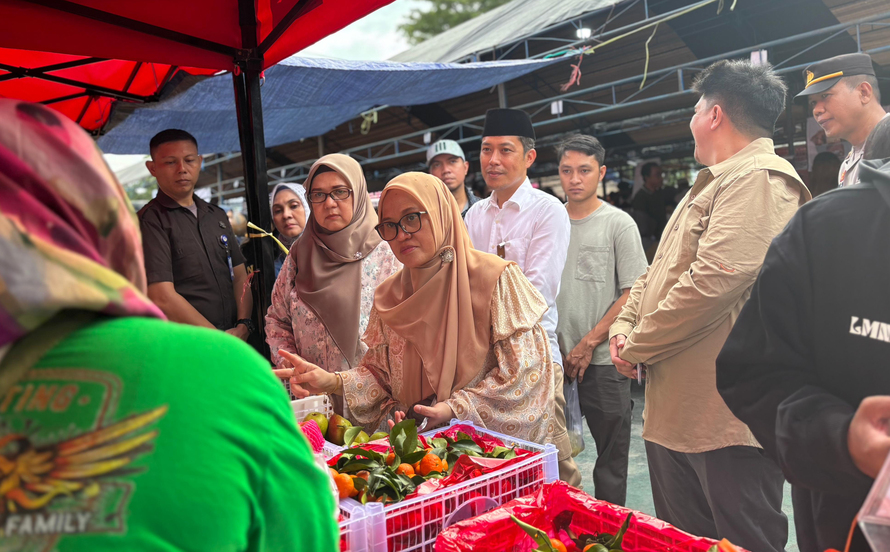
[{"x": 605, "y": 258}]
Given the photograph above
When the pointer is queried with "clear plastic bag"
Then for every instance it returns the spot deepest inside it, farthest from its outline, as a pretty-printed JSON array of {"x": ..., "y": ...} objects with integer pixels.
[{"x": 574, "y": 423}]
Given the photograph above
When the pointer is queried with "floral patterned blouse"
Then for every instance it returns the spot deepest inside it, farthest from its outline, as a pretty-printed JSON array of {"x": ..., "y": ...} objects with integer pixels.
[
  {"x": 514, "y": 392},
  {"x": 293, "y": 326}
]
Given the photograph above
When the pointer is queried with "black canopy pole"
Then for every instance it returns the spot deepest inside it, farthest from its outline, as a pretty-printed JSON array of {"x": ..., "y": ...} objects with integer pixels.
[{"x": 253, "y": 157}]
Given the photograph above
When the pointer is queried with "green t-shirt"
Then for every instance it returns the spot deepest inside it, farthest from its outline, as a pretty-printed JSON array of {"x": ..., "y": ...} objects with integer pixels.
[{"x": 135, "y": 434}]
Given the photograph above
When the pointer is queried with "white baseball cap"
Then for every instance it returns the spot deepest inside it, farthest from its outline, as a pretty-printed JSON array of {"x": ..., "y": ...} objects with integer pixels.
[{"x": 444, "y": 146}]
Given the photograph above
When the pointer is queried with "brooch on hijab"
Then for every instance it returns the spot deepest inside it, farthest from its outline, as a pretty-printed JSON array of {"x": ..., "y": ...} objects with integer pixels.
[
  {"x": 358, "y": 255},
  {"x": 447, "y": 255}
]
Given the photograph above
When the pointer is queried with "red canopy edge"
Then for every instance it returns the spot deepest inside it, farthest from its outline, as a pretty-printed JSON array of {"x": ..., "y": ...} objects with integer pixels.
[{"x": 197, "y": 33}]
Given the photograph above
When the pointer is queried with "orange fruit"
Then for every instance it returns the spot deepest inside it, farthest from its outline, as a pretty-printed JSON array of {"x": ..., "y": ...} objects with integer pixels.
[
  {"x": 405, "y": 469},
  {"x": 557, "y": 545},
  {"x": 430, "y": 463},
  {"x": 345, "y": 486},
  {"x": 444, "y": 466},
  {"x": 334, "y": 473},
  {"x": 390, "y": 458},
  {"x": 364, "y": 474}
]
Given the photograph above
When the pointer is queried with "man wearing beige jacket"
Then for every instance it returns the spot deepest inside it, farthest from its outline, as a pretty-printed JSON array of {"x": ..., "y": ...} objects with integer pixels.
[{"x": 709, "y": 474}]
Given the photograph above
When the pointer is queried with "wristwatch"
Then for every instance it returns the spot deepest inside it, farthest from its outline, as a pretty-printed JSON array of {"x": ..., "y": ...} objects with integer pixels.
[{"x": 251, "y": 327}]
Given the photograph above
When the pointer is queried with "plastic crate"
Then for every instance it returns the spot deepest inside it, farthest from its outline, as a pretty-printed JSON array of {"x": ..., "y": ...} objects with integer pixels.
[
  {"x": 315, "y": 403},
  {"x": 496, "y": 531},
  {"x": 354, "y": 531},
  {"x": 413, "y": 525}
]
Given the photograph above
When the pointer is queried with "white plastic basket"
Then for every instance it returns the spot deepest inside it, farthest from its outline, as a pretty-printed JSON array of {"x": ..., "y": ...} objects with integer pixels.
[
  {"x": 414, "y": 524},
  {"x": 315, "y": 403},
  {"x": 354, "y": 531}
]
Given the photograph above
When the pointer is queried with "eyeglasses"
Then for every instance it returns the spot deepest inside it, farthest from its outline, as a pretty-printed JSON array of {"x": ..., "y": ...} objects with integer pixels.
[
  {"x": 337, "y": 194},
  {"x": 409, "y": 224}
]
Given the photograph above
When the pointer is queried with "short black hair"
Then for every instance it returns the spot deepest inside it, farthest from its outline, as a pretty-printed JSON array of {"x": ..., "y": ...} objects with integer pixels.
[
  {"x": 582, "y": 143},
  {"x": 170, "y": 135},
  {"x": 753, "y": 96},
  {"x": 855, "y": 80},
  {"x": 877, "y": 145},
  {"x": 646, "y": 170},
  {"x": 528, "y": 144}
]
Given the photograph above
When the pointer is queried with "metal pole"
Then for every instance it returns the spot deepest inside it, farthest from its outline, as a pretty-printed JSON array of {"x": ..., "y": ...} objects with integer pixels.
[
  {"x": 502, "y": 95},
  {"x": 253, "y": 156}
]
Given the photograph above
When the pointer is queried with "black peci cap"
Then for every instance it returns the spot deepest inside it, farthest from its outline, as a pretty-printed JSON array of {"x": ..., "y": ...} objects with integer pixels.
[
  {"x": 824, "y": 74},
  {"x": 508, "y": 122}
]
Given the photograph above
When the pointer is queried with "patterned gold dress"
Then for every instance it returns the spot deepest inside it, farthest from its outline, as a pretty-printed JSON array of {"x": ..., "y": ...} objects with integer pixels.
[{"x": 513, "y": 394}]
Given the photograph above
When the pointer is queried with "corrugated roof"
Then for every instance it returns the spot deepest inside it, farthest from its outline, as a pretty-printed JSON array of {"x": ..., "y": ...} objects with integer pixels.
[{"x": 501, "y": 25}]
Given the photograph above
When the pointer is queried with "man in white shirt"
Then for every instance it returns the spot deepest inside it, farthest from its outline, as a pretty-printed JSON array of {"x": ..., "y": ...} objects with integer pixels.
[{"x": 527, "y": 226}]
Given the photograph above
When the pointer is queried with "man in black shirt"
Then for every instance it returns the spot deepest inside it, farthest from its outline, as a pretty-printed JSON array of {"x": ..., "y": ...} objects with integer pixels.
[
  {"x": 194, "y": 266},
  {"x": 651, "y": 199},
  {"x": 809, "y": 352}
]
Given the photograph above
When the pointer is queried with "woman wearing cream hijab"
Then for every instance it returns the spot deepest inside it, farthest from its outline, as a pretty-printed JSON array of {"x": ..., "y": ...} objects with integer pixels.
[
  {"x": 456, "y": 333},
  {"x": 322, "y": 298}
]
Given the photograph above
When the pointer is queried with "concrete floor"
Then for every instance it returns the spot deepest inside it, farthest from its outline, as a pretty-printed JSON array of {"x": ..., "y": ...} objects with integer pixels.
[{"x": 639, "y": 491}]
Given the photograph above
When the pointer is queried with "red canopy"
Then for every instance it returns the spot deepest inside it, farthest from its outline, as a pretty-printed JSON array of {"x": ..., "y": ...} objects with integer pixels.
[
  {"x": 139, "y": 45},
  {"x": 191, "y": 33},
  {"x": 82, "y": 88}
]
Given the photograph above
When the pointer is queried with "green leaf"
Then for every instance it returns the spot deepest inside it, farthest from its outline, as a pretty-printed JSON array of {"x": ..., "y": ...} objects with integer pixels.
[
  {"x": 403, "y": 437},
  {"x": 414, "y": 457},
  {"x": 616, "y": 544},
  {"x": 440, "y": 452},
  {"x": 540, "y": 536},
  {"x": 440, "y": 443},
  {"x": 461, "y": 436},
  {"x": 714, "y": 549},
  {"x": 350, "y": 435},
  {"x": 357, "y": 465},
  {"x": 360, "y": 484}
]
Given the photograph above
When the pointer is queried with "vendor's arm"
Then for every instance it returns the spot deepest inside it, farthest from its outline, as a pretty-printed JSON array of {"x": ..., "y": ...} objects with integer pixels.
[
  {"x": 744, "y": 218},
  {"x": 279, "y": 323},
  {"x": 515, "y": 396}
]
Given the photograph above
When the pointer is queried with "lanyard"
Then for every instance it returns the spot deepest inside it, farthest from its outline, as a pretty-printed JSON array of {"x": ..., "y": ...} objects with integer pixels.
[{"x": 224, "y": 241}]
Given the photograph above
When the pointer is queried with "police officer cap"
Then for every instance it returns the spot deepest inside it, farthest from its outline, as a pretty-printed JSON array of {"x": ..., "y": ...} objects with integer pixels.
[
  {"x": 508, "y": 122},
  {"x": 823, "y": 75}
]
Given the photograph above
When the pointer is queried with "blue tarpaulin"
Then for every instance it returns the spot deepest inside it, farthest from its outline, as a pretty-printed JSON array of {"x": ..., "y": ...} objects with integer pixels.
[{"x": 305, "y": 97}]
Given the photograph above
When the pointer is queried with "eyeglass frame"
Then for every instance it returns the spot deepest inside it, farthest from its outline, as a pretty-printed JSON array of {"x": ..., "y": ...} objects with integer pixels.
[
  {"x": 328, "y": 195},
  {"x": 399, "y": 225}
]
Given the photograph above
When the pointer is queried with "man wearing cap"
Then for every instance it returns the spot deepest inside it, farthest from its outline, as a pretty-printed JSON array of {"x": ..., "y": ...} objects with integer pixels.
[
  {"x": 521, "y": 224},
  {"x": 845, "y": 100},
  {"x": 448, "y": 163},
  {"x": 194, "y": 266}
]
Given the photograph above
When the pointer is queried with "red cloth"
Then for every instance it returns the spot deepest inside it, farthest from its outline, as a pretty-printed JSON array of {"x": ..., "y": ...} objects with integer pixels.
[{"x": 494, "y": 530}]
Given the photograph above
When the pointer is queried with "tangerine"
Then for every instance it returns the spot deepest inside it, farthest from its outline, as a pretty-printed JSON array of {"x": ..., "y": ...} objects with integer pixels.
[
  {"x": 557, "y": 545},
  {"x": 345, "y": 485},
  {"x": 390, "y": 458},
  {"x": 444, "y": 466},
  {"x": 406, "y": 470},
  {"x": 430, "y": 463},
  {"x": 364, "y": 474}
]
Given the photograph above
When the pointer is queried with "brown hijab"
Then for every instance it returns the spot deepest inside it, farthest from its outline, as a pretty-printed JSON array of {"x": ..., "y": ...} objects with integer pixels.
[
  {"x": 443, "y": 308},
  {"x": 329, "y": 276}
]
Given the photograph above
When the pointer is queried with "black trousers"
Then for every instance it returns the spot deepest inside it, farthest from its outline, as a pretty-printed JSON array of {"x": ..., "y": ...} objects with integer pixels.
[
  {"x": 604, "y": 395},
  {"x": 733, "y": 493}
]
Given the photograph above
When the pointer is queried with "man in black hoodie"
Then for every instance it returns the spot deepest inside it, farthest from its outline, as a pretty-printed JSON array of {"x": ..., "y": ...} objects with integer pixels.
[{"x": 807, "y": 360}]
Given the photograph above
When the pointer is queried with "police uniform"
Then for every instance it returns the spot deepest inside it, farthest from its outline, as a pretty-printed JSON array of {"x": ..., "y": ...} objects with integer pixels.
[
  {"x": 820, "y": 77},
  {"x": 196, "y": 252}
]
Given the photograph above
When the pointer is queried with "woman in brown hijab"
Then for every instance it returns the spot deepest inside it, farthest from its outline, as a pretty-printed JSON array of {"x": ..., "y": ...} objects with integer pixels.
[
  {"x": 456, "y": 333},
  {"x": 322, "y": 298}
]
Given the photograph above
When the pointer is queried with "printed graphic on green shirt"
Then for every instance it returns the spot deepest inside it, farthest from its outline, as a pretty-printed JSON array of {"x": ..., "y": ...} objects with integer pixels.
[{"x": 67, "y": 457}]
